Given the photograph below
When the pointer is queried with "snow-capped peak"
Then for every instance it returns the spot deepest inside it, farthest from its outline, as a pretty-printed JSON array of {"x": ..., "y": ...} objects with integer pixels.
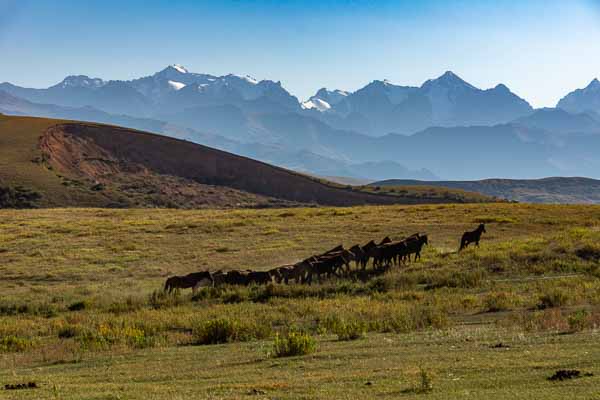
[
  {"x": 324, "y": 99},
  {"x": 81, "y": 81},
  {"x": 179, "y": 68},
  {"x": 176, "y": 85},
  {"x": 250, "y": 79},
  {"x": 246, "y": 78},
  {"x": 315, "y": 103}
]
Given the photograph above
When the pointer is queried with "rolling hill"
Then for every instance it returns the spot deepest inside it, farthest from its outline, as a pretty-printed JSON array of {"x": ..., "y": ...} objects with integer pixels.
[
  {"x": 547, "y": 190},
  {"x": 57, "y": 163},
  {"x": 381, "y": 131}
]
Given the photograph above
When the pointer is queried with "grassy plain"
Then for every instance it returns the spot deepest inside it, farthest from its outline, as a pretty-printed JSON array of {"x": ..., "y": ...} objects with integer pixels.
[{"x": 82, "y": 315}]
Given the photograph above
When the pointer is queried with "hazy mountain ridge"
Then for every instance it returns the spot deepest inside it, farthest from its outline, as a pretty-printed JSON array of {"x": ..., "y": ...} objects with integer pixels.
[
  {"x": 457, "y": 130},
  {"x": 547, "y": 190}
]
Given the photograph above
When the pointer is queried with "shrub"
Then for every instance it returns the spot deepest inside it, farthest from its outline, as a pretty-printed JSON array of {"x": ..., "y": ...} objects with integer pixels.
[
  {"x": 351, "y": 330},
  {"x": 293, "y": 344},
  {"x": 425, "y": 381},
  {"x": 78, "y": 306},
  {"x": 224, "y": 330},
  {"x": 547, "y": 320},
  {"x": 589, "y": 252},
  {"x": 69, "y": 331},
  {"x": 498, "y": 301},
  {"x": 553, "y": 298},
  {"x": 160, "y": 299},
  {"x": 130, "y": 304},
  {"x": 418, "y": 317},
  {"x": 108, "y": 334},
  {"x": 455, "y": 279},
  {"x": 14, "y": 344},
  {"x": 578, "y": 320}
]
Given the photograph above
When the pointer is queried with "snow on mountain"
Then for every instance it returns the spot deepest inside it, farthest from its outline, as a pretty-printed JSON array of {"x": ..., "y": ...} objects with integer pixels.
[
  {"x": 179, "y": 68},
  {"x": 176, "y": 85},
  {"x": 316, "y": 104},
  {"x": 80, "y": 81}
]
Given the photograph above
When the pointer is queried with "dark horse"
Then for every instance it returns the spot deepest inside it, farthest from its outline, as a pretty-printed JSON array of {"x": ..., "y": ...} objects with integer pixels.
[
  {"x": 471, "y": 237},
  {"x": 192, "y": 280}
]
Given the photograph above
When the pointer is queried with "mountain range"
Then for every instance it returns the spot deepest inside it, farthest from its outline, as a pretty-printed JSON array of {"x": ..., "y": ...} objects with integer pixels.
[{"x": 444, "y": 129}]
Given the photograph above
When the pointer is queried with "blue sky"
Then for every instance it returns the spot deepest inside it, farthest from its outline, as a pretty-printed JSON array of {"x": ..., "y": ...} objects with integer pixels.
[{"x": 540, "y": 49}]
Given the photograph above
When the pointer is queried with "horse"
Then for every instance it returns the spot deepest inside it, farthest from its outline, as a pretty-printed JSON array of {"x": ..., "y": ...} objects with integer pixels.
[
  {"x": 282, "y": 274},
  {"x": 323, "y": 267},
  {"x": 334, "y": 250},
  {"x": 472, "y": 237},
  {"x": 300, "y": 272},
  {"x": 339, "y": 258},
  {"x": 192, "y": 280},
  {"x": 385, "y": 240},
  {"x": 233, "y": 277},
  {"x": 368, "y": 250},
  {"x": 360, "y": 256},
  {"x": 259, "y": 277},
  {"x": 414, "y": 244}
]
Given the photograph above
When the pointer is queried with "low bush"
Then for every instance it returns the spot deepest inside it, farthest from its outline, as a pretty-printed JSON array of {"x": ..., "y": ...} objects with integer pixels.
[
  {"x": 161, "y": 299},
  {"x": 69, "y": 331},
  {"x": 415, "y": 318},
  {"x": 499, "y": 301},
  {"x": 554, "y": 297},
  {"x": 44, "y": 309},
  {"x": 130, "y": 304},
  {"x": 578, "y": 320},
  {"x": 14, "y": 344},
  {"x": 350, "y": 330},
  {"x": 226, "y": 330},
  {"x": 109, "y": 334},
  {"x": 293, "y": 344},
  {"x": 454, "y": 279},
  {"x": 425, "y": 381},
  {"x": 546, "y": 320},
  {"x": 78, "y": 306}
]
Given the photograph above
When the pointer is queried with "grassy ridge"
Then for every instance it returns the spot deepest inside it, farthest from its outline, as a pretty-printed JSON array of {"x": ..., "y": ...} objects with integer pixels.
[
  {"x": 81, "y": 307},
  {"x": 93, "y": 165}
]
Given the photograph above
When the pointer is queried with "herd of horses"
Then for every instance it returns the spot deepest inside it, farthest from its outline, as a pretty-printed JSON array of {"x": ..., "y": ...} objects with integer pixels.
[{"x": 335, "y": 262}]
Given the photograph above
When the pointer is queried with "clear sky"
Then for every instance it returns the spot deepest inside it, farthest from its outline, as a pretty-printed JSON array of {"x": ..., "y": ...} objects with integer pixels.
[{"x": 540, "y": 49}]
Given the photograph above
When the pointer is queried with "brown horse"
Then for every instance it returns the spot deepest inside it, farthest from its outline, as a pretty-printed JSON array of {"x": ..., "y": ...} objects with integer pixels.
[
  {"x": 193, "y": 280},
  {"x": 259, "y": 277},
  {"x": 360, "y": 256},
  {"x": 472, "y": 237},
  {"x": 369, "y": 250},
  {"x": 414, "y": 244}
]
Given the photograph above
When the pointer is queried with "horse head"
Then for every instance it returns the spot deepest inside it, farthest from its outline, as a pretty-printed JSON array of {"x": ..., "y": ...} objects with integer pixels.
[
  {"x": 482, "y": 228},
  {"x": 386, "y": 240}
]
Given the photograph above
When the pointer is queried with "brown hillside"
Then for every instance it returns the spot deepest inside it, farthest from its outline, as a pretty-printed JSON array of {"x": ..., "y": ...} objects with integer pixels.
[{"x": 85, "y": 164}]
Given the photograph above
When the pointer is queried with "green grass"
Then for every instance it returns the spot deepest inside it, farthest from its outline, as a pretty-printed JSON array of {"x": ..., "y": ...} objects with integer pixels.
[{"x": 82, "y": 312}]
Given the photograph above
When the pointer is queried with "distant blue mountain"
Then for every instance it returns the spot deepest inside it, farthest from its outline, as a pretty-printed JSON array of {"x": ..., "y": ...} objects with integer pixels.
[
  {"x": 582, "y": 100},
  {"x": 445, "y": 128}
]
